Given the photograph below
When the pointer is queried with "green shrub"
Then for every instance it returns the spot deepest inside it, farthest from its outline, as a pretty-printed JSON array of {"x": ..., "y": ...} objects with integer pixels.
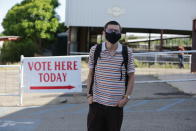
[{"x": 11, "y": 51}]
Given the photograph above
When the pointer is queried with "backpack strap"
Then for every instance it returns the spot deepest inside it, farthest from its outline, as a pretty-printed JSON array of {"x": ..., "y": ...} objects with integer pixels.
[
  {"x": 97, "y": 54},
  {"x": 125, "y": 63}
]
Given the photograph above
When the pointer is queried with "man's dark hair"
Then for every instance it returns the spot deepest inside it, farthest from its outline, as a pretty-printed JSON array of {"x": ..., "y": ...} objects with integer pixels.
[{"x": 112, "y": 23}]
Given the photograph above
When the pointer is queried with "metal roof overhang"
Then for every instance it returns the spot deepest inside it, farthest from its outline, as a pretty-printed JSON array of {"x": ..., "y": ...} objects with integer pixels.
[
  {"x": 98, "y": 30},
  {"x": 172, "y": 16}
]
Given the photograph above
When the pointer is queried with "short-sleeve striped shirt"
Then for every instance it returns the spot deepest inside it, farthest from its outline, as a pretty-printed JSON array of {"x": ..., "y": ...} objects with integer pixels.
[{"x": 108, "y": 89}]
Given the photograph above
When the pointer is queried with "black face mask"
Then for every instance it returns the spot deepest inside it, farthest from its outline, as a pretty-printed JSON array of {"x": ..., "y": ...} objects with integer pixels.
[{"x": 112, "y": 37}]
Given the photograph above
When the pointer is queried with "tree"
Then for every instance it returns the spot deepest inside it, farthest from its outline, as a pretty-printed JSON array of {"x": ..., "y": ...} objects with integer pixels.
[{"x": 33, "y": 19}]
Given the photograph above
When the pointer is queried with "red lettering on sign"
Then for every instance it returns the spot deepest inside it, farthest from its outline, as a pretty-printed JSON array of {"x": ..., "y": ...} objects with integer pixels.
[
  {"x": 52, "y": 77},
  {"x": 44, "y": 65},
  {"x": 40, "y": 77},
  {"x": 50, "y": 87},
  {"x": 64, "y": 76},
  {"x": 30, "y": 65},
  {"x": 59, "y": 77},
  {"x": 37, "y": 66},
  {"x": 46, "y": 77},
  {"x": 63, "y": 65},
  {"x": 57, "y": 65},
  {"x": 49, "y": 66},
  {"x": 75, "y": 65},
  {"x": 69, "y": 63}
]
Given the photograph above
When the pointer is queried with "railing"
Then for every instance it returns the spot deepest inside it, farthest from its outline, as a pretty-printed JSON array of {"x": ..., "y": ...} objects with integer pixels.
[
  {"x": 170, "y": 57},
  {"x": 154, "y": 57},
  {"x": 10, "y": 80},
  {"x": 10, "y": 75}
]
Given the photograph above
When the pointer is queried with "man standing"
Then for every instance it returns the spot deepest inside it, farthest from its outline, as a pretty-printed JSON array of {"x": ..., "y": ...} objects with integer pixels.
[
  {"x": 181, "y": 57},
  {"x": 110, "y": 81}
]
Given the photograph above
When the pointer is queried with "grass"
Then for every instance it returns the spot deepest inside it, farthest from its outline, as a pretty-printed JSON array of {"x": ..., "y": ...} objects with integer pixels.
[{"x": 156, "y": 65}]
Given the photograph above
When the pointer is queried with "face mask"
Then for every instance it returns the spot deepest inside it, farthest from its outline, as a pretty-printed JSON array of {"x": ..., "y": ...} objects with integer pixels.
[{"x": 112, "y": 37}]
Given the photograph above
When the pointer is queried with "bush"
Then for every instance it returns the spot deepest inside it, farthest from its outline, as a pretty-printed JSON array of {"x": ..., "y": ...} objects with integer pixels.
[{"x": 11, "y": 51}]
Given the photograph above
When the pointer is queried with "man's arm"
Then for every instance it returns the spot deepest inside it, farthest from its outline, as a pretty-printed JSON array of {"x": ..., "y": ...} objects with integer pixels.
[
  {"x": 130, "y": 86},
  {"x": 131, "y": 70},
  {"x": 89, "y": 79},
  {"x": 90, "y": 73}
]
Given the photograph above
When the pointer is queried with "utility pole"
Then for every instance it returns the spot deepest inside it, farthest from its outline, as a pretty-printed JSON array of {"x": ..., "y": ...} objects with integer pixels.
[
  {"x": 193, "y": 58},
  {"x": 161, "y": 41},
  {"x": 149, "y": 40},
  {"x": 69, "y": 41}
]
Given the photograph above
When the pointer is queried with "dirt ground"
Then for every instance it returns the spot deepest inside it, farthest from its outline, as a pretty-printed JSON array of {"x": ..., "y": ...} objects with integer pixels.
[{"x": 10, "y": 82}]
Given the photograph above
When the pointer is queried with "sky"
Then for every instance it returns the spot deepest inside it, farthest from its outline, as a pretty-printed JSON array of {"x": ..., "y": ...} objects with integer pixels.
[{"x": 5, "y": 5}]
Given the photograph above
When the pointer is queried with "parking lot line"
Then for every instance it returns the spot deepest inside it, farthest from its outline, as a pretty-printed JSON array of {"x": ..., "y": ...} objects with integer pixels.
[
  {"x": 136, "y": 104},
  {"x": 167, "y": 106}
]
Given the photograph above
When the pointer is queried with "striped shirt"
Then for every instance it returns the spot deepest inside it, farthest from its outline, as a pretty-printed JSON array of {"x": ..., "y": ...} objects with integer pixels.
[{"x": 108, "y": 89}]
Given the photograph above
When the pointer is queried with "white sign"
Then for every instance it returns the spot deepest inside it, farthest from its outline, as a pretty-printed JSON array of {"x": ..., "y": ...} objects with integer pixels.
[{"x": 52, "y": 74}]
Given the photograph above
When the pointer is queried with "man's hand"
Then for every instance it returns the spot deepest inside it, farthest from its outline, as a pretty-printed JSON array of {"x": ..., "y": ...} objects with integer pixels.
[
  {"x": 122, "y": 102},
  {"x": 90, "y": 99}
]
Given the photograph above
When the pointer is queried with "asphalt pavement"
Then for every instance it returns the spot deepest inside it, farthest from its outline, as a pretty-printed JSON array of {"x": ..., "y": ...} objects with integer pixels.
[{"x": 153, "y": 107}]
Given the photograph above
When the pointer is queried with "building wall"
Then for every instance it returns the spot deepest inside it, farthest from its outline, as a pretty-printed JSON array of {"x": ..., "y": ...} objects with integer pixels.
[{"x": 151, "y": 14}]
